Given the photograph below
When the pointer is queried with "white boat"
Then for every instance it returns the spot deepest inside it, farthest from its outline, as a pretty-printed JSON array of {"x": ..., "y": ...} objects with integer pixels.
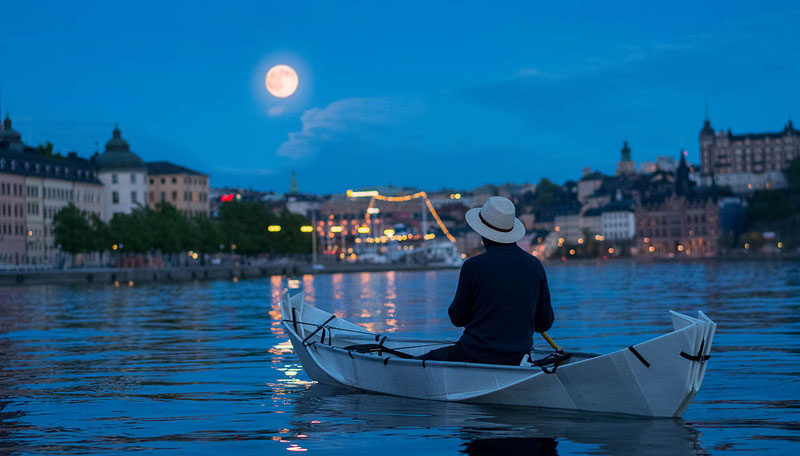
[{"x": 658, "y": 377}]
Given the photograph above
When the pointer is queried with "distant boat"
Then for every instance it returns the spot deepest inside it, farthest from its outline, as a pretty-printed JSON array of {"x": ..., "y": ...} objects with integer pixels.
[{"x": 658, "y": 377}]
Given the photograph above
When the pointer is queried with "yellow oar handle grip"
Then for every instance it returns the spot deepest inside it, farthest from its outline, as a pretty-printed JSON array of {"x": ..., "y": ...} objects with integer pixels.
[{"x": 550, "y": 341}]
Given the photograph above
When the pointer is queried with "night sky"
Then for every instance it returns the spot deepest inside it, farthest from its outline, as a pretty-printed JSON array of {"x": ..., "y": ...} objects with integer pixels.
[{"x": 422, "y": 94}]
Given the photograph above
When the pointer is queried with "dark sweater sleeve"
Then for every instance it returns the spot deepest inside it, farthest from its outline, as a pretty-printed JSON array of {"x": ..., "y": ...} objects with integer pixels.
[
  {"x": 460, "y": 310},
  {"x": 543, "y": 320}
]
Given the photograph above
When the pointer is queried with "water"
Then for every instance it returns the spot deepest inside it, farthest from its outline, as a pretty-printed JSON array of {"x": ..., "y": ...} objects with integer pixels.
[{"x": 203, "y": 368}]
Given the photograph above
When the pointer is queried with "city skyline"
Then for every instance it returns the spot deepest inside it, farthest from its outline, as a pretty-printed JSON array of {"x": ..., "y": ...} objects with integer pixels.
[{"x": 450, "y": 102}]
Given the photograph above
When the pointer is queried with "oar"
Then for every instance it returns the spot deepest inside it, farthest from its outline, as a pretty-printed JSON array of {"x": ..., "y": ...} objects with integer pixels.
[{"x": 550, "y": 341}]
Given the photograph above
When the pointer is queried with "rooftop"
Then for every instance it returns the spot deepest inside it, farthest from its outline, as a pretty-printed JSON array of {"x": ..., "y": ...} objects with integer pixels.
[
  {"x": 118, "y": 155},
  {"x": 165, "y": 167}
]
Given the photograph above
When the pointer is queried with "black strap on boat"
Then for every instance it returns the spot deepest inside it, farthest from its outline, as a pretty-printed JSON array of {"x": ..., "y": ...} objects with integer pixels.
[
  {"x": 383, "y": 339},
  {"x": 294, "y": 319},
  {"x": 699, "y": 357},
  {"x": 379, "y": 349},
  {"x": 333, "y": 327},
  {"x": 386, "y": 360},
  {"x": 639, "y": 356},
  {"x": 423, "y": 363},
  {"x": 350, "y": 353},
  {"x": 556, "y": 359},
  {"x": 322, "y": 338},
  {"x": 318, "y": 329}
]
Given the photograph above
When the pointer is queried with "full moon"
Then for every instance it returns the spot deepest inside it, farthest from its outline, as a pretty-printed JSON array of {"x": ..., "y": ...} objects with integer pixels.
[{"x": 281, "y": 81}]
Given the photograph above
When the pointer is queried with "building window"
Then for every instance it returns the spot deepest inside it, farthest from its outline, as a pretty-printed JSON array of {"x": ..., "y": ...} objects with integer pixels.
[
  {"x": 114, "y": 178},
  {"x": 133, "y": 178},
  {"x": 152, "y": 181},
  {"x": 152, "y": 197},
  {"x": 174, "y": 180},
  {"x": 174, "y": 195},
  {"x": 133, "y": 196},
  {"x": 163, "y": 181},
  {"x": 115, "y": 196},
  {"x": 163, "y": 197}
]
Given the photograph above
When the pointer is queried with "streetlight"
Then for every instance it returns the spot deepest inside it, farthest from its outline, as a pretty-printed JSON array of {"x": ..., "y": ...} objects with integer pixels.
[
  {"x": 274, "y": 228},
  {"x": 310, "y": 229}
]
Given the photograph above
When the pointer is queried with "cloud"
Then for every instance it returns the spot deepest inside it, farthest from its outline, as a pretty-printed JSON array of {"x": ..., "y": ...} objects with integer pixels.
[
  {"x": 356, "y": 120},
  {"x": 275, "y": 111}
]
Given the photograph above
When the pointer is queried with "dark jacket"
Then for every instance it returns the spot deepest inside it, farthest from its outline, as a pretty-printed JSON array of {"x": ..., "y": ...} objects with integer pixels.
[{"x": 502, "y": 298}]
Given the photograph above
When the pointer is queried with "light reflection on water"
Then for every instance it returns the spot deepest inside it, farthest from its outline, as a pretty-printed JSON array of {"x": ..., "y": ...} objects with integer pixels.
[{"x": 206, "y": 367}]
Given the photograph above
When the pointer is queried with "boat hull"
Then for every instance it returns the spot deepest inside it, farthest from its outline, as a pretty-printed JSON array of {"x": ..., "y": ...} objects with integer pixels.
[{"x": 651, "y": 378}]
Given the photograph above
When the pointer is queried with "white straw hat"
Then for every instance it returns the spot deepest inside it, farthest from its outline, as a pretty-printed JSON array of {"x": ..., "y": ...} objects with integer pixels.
[{"x": 496, "y": 221}]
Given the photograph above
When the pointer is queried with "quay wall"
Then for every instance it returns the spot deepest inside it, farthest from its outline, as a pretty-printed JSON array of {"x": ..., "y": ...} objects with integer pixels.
[{"x": 122, "y": 276}]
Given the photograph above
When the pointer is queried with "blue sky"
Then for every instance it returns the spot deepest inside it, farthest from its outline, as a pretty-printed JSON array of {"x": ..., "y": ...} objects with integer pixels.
[{"x": 428, "y": 94}]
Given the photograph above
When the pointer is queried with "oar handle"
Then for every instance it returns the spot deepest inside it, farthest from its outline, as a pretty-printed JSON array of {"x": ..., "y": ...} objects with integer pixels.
[{"x": 550, "y": 341}]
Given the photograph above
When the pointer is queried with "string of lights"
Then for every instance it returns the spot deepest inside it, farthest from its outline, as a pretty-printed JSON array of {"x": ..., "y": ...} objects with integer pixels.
[{"x": 397, "y": 199}]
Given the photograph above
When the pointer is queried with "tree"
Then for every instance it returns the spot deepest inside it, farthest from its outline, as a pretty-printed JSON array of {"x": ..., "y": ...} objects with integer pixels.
[
  {"x": 768, "y": 205},
  {"x": 245, "y": 226},
  {"x": 101, "y": 234},
  {"x": 169, "y": 228},
  {"x": 290, "y": 239},
  {"x": 46, "y": 149},
  {"x": 72, "y": 230},
  {"x": 131, "y": 231},
  {"x": 792, "y": 173},
  {"x": 205, "y": 236}
]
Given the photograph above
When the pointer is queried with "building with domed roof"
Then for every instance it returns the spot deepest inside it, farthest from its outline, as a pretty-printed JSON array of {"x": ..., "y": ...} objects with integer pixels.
[{"x": 124, "y": 177}]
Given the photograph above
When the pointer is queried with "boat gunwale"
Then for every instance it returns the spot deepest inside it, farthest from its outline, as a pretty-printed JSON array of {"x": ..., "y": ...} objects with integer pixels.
[
  {"x": 425, "y": 363},
  {"x": 693, "y": 323}
]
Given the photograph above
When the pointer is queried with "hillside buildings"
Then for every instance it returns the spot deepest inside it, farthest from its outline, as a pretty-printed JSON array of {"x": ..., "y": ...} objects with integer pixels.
[
  {"x": 684, "y": 221},
  {"x": 750, "y": 161}
]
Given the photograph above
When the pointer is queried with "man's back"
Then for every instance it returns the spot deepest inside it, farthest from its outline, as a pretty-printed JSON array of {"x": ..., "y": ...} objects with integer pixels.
[{"x": 502, "y": 298}]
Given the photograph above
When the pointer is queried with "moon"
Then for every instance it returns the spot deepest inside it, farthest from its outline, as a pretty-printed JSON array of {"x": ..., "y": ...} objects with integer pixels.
[{"x": 281, "y": 81}]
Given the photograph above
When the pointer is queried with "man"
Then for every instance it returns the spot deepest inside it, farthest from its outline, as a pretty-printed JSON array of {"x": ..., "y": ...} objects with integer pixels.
[{"x": 502, "y": 295}]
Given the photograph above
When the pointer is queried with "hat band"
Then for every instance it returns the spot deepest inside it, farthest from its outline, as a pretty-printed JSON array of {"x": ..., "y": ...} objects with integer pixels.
[{"x": 502, "y": 230}]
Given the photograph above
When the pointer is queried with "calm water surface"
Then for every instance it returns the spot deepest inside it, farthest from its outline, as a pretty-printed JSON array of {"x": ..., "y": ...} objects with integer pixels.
[{"x": 205, "y": 367}]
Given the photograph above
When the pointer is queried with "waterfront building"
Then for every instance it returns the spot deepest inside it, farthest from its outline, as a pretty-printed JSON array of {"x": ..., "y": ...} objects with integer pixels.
[
  {"x": 184, "y": 188},
  {"x": 626, "y": 165},
  {"x": 684, "y": 221},
  {"x": 750, "y": 161},
  {"x": 731, "y": 216},
  {"x": 123, "y": 174},
  {"x": 12, "y": 216},
  {"x": 49, "y": 183},
  {"x": 573, "y": 227},
  {"x": 619, "y": 221}
]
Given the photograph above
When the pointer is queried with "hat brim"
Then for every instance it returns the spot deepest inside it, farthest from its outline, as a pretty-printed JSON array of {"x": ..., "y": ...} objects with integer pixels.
[{"x": 474, "y": 221}]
